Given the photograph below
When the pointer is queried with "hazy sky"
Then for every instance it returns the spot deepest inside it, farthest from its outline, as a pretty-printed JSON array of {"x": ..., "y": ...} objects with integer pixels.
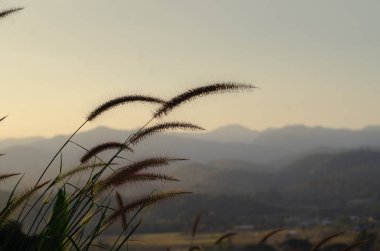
[{"x": 316, "y": 62}]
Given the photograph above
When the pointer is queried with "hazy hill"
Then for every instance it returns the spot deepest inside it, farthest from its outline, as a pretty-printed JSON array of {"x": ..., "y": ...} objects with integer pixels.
[
  {"x": 335, "y": 186},
  {"x": 31, "y": 156},
  {"x": 339, "y": 178},
  {"x": 235, "y": 191},
  {"x": 230, "y": 133},
  {"x": 299, "y": 137},
  {"x": 233, "y": 158},
  {"x": 223, "y": 177}
]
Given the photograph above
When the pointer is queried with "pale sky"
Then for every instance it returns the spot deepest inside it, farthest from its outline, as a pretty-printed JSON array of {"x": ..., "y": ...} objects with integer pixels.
[{"x": 316, "y": 62}]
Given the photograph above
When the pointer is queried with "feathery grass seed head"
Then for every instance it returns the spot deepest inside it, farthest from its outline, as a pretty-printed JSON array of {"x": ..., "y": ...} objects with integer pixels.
[
  {"x": 7, "y": 175},
  {"x": 146, "y": 163},
  {"x": 129, "y": 173},
  {"x": 103, "y": 147},
  {"x": 8, "y": 12},
  {"x": 120, "y": 101},
  {"x": 163, "y": 127},
  {"x": 128, "y": 179},
  {"x": 199, "y": 92},
  {"x": 1, "y": 119}
]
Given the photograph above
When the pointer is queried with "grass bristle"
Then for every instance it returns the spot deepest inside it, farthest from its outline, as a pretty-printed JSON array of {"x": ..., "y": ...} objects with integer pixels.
[
  {"x": 150, "y": 177},
  {"x": 120, "y": 101},
  {"x": 123, "y": 179},
  {"x": 126, "y": 173},
  {"x": 199, "y": 92},
  {"x": 7, "y": 175},
  {"x": 103, "y": 147},
  {"x": 163, "y": 127},
  {"x": 144, "y": 164},
  {"x": 3, "y": 118},
  {"x": 8, "y": 12}
]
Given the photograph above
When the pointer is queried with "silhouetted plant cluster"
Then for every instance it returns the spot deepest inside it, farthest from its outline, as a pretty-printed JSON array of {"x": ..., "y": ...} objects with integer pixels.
[
  {"x": 73, "y": 207},
  {"x": 65, "y": 216}
]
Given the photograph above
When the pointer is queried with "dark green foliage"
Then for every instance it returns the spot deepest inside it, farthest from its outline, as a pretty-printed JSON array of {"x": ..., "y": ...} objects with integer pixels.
[
  {"x": 12, "y": 238},
  {"x": 56, "y": 232}
]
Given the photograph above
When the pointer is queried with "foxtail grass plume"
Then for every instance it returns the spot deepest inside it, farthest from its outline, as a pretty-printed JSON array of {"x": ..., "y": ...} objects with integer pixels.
[
  {"x": 7, "y": 175},
  {"x": 120, "y": 101},
  {"x": 3, "y": 118},
  {"x": 199, "y": 92},
  {"x": 144, "y": 164},
  {"x": 139, "y": 177},
  {"x": 129, "y": 173},
  {"x": 104, "y": 147},
  {"x": 145, "y": 201},
  {"x": 4, "y": 13},
  {"x": 150, "y": 177},
  {"x": 163, "y": 127}
]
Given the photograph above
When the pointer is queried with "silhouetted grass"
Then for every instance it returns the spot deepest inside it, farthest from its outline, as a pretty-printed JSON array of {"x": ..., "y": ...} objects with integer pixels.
[{"x": 79, "y": 214}]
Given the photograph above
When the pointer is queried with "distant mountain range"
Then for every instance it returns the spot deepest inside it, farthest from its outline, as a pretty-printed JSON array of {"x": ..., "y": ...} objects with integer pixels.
[
  {"x": 275, "y": 173},
  {"x": 326, "y": 185},
  {"x": 272, "y": 148}
]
